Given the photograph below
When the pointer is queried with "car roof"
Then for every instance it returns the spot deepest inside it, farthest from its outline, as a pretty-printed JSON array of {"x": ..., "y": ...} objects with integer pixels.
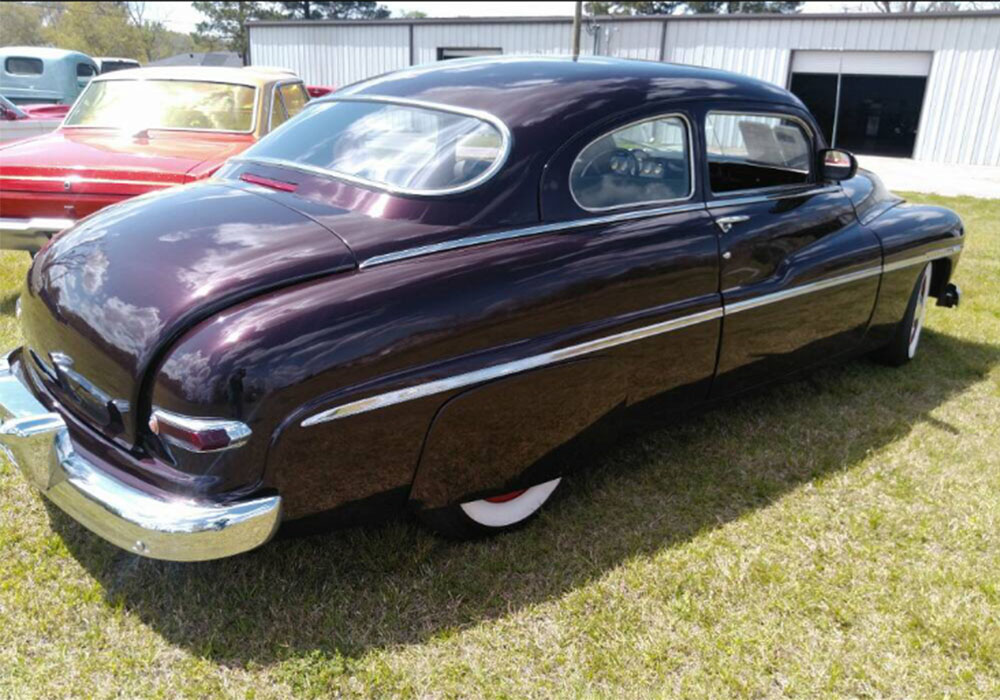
[
  {"x": 218, "y": 74},
  {"x": 522, "y": 90},
  {"x": 41, "y": 52}
]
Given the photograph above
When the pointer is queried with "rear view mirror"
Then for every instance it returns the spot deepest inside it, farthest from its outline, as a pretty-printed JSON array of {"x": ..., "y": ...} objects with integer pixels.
[{"x": 837, "y": 164}]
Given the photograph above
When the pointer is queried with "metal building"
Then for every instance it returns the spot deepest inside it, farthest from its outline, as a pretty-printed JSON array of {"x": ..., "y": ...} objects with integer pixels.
[{"x": 925, "y": 86}]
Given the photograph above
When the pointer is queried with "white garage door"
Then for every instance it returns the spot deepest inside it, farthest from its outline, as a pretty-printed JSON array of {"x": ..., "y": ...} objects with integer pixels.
[{"x": 915, "y": 63}]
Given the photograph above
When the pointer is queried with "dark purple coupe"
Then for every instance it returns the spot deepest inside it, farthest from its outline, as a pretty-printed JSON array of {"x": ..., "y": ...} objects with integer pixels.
[{"x": 439, "y": 289}]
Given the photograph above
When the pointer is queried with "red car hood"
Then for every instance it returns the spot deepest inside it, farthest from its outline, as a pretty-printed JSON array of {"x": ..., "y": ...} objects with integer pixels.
[{"x": 109, "y": 157}]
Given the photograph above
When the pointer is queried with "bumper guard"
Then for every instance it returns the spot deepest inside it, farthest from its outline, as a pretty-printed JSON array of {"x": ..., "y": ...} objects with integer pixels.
[{"x": 30, "y": 234}]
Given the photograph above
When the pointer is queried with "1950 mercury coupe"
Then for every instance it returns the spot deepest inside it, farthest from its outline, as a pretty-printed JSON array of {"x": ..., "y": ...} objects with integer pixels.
[{"x": 438, "y": 288}]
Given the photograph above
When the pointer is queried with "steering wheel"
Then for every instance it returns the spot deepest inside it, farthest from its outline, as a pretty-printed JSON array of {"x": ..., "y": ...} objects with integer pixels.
[{"x": 623, "y": 162}]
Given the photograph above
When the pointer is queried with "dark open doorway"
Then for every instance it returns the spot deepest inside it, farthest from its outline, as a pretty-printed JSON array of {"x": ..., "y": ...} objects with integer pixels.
[{"x": 877, "y": 115}]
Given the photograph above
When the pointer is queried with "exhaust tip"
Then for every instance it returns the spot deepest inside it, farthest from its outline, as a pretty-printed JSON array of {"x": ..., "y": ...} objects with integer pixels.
[{"x": 950, "y": 296}]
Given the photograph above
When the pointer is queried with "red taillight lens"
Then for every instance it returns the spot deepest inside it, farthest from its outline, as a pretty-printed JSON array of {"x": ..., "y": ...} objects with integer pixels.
[{"x": 198, "y": 434}]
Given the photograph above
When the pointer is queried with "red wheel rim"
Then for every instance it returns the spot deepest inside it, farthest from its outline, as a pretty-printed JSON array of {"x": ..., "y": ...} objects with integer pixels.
[{"x": 503, "y": 498}]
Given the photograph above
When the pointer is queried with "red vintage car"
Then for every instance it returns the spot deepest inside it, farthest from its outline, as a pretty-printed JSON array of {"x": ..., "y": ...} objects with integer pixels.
[{"x": 132, "y": 132}]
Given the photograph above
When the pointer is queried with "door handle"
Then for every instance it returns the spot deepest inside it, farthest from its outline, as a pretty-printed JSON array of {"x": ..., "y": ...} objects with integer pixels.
[{"x": 726, "y": 222}]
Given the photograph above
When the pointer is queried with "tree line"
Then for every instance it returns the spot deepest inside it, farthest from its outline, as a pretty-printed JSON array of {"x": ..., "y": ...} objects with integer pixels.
[{"x": 124, "y": 28}]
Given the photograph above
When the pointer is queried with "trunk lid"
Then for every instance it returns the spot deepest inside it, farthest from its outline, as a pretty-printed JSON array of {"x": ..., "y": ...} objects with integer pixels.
[
  {"x": 106, "y": 297},
  {"x": 102, "y": 161}
]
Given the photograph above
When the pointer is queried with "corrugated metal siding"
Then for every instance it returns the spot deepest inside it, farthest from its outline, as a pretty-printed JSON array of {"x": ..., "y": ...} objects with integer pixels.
[
  {"x": 332, "y": 55},
  {"x": 535, "y": 38},
  {"x": 960, "y": 121}
]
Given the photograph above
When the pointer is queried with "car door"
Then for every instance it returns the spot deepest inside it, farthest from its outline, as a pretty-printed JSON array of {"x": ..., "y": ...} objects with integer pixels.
[
  {"x": 629, "y": 269},
  {"x": 799, "y": 275}
]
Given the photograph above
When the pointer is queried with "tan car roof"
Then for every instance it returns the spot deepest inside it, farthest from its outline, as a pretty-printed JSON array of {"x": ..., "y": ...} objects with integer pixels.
[{"x": 250, "y": 75}]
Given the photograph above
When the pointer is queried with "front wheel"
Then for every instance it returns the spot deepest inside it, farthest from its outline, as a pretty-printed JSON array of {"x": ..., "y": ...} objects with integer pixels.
[
  {"x": 489, "y": 516},
  {"x": 903, "y": 346}
]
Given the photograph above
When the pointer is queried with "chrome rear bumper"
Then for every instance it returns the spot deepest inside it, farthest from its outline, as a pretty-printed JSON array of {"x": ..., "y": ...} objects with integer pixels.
[
  {"x": 150, "y": 524},
  {"x": 30, "y": 234}
]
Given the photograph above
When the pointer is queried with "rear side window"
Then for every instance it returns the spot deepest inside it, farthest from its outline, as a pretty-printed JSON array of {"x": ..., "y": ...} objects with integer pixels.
[
  {"x": 641, "y": 163},
  {"x": 85, "y": 70},
  {"x": 756, "y": 151},
  {"x": 22, "y": 65}
]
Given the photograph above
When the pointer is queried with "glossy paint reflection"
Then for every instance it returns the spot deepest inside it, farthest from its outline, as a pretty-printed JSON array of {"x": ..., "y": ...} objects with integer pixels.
[{"x": 176, "y": 257}]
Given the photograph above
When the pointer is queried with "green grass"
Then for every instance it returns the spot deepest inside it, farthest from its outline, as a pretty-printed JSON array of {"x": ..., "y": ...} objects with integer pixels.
[{"x": 836, "y": 536}]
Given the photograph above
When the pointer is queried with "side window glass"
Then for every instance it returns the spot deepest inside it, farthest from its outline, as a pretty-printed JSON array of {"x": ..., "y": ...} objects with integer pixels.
[
  {"x": 295, "y": 97},
  {"x": 22, "y": 65},
  {"x": 641, "y": 163},
  {"x": 755, "y": 151},
  {"x": 278, "y": 114},
  {"x": 84, "y": 70}
]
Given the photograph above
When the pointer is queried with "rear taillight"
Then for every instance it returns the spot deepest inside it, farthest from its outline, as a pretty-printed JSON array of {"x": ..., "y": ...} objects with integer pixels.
[{"x": 198, "y": 434}]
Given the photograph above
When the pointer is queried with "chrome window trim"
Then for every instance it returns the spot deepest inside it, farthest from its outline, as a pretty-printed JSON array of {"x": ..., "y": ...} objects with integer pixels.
[
  {"x": 79, "y": 101},
  {"x": 506, "y": 140},
  {"x": 782, "y": 115},
  {"x": 438, "y": 386},
  {"x": 504, "y": 369},
  {"x": 276, "y": 92},
  {"x": 688, "y": 131},
  {"x": 510, "y": 234},
  {"x": 782, "y": 194}
]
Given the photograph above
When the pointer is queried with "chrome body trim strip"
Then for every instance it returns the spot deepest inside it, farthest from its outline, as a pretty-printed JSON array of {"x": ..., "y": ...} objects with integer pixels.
[
  {"x": 486, "y": 374},
  {"x": 87, "y": 180},
  {"x": 800, "y": 290},
  {"x": 506, "y": 143},
  {"x": 30, "y": 234},
  {"x": 150, "y": 523},
  {"x": 540, "y": 229},
  {"x": 923, "y": 258},
  {"x": 507, "y": 368}
]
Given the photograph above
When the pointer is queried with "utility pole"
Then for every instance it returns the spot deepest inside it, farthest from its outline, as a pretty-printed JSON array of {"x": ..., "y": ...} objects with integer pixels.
[{"x": 576, "y": 28}]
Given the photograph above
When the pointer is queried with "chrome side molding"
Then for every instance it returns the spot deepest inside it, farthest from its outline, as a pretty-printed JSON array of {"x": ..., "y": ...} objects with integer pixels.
[
  {"x": 509, "y": 234},
  {"x": 458, "y": 381},
  {"x": 507, "y": 368}
]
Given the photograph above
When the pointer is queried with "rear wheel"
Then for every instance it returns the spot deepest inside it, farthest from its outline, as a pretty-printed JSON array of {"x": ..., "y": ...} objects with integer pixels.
[
  {"x": 903, "y": 346},
  {"x": 489, "y": 516}
]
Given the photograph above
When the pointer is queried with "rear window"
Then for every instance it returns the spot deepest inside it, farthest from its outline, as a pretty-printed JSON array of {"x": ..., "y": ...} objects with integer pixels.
[
  {"x": 22, "y": 65},
  {"x": 134, "y": 105},
  {"x": 112, "y": 66},
  {"x": 402, "y": 148}
]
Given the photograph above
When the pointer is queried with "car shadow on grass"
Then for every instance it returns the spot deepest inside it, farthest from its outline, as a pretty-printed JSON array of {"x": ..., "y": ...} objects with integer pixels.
[{"x": 344, "y": 593}]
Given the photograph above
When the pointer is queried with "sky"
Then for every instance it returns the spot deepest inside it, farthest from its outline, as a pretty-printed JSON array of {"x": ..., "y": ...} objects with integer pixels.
[{"x": 182, "y": 17}]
